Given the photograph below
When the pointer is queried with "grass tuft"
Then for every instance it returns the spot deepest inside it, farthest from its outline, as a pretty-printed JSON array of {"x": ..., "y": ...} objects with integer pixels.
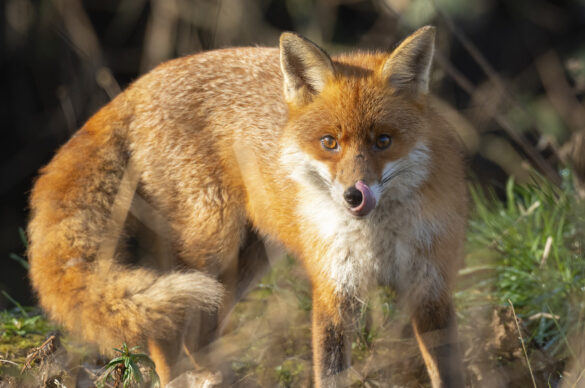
[
  {"x": 533, "y": 245},
  {"x": 125, "y": 369}
]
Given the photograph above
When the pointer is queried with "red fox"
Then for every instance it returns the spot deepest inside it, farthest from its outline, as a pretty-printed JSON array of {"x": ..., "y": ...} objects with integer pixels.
[{"x": 146, "y": 224}]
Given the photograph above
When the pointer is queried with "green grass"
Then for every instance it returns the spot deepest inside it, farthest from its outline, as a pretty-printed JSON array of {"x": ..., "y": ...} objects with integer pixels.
[
  {"x": 533, "y": 248},
  {"x": 21, "y": 330},
  {"x": 18, "y": 258},
  {"x": 16, "y": 324}
]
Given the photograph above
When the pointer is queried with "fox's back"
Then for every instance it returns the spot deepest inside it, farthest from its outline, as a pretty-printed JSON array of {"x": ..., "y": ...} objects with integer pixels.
[
  {"x": 223, "y": 90},
  {"x": 195, "y": 120}
]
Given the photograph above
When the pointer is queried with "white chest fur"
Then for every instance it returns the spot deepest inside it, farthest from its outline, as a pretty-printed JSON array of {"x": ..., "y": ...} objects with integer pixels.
[{"x": 384, "y": 247}]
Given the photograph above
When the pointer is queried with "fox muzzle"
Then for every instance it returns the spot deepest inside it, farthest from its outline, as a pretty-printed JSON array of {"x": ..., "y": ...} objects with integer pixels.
[{"x": 360, "y": 198}]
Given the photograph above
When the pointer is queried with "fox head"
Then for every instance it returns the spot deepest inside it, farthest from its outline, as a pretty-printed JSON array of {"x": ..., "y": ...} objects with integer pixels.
[{"x": 357, "y": 123}]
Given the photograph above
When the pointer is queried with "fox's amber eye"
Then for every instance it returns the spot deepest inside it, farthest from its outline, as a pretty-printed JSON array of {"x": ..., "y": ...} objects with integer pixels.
[
  {"x": 383, "y": 142},
  {"x": 329, "y": 143}
]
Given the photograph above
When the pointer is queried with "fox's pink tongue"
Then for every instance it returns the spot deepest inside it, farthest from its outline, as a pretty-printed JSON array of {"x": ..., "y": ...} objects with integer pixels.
[{"x": 368, "y": 199}]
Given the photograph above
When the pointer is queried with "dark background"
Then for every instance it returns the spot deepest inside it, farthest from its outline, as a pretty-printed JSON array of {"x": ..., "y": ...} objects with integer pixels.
[{"x": 511, "y": 73}]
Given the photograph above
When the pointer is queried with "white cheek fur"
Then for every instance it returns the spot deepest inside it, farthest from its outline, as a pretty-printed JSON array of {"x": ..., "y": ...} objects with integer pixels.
[
  {"x": 407, "y": 174},
  {"x": 302, "y": 168}
]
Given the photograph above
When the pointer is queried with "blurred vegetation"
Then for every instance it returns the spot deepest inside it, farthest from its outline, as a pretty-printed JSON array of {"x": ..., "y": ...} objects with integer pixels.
[
  {"x": 509, "y": 76},
  {"x": 535, "y": 244},
  {"x": 528, "y": 253}
]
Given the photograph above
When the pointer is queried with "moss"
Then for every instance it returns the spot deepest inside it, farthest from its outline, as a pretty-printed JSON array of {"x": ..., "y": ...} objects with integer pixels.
[{"x": 20, "y": 331}]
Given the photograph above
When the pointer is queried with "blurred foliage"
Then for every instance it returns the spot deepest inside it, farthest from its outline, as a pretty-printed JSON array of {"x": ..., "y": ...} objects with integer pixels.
[{"x": 22, "y": 322}]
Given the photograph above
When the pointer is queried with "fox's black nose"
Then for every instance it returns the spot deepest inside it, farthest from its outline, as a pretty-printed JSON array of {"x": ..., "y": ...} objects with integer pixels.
[{"x": 353, "y": 196}]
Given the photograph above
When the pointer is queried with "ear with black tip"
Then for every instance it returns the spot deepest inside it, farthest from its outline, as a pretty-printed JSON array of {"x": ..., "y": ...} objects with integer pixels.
[
  {"x": 305, "y": 66},
  {"x": 408, "y": 67}
]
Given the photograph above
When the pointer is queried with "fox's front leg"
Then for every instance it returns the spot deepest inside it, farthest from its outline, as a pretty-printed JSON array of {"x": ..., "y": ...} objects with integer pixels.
[
  {"x": 331, "y": 337},
  {"x": 434, "y": 325}
]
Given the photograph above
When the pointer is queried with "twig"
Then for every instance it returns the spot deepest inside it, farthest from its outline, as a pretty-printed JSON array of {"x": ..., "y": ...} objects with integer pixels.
[
  {"x": 546, "y": 252},
  {"x": 473, "y": 51},
  {"x": 47, "y": 348},
  {"x": 558, "y": 90},
  {"x": 160, "y": 33},
  {"x": 540, "y": 315},
  {"x": 9, "y": 362},
  {"x": 578, "y": 379},
  {"x": 565, "y": 340},
  {"x": 522, "y": 342},
  {"x": 83, "y": 39},
  {"x": 215, "y": 25}
]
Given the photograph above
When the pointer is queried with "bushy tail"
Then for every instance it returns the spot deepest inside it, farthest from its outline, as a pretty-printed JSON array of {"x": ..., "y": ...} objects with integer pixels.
[
  {"x": 78, "y": 208},
  {"x": 109, "y": 306},
  {"x": 129, "y": 305}
]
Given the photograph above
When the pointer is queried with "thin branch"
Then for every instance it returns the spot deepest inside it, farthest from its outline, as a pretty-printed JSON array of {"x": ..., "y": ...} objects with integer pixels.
[
  {"x": 522, "y": 342},
  {"x": 559, "y": 92},
  {"x": 9, "y": 362}
]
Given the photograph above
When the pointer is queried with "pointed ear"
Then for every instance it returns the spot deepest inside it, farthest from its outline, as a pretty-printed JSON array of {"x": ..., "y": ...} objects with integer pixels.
[
  {"x": 408, "y": 66},
  {"x": 305, "y": 66}
]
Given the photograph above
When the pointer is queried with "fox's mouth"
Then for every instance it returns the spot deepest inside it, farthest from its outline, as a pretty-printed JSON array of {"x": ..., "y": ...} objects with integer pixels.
[{"x": 360, "y": 198}]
